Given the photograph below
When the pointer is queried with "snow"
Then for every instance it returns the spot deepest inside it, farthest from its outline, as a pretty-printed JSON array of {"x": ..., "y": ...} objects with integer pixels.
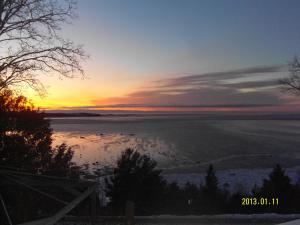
[
  {"x": 227, "y": 216},
  {"x": 294, "y": 222}
]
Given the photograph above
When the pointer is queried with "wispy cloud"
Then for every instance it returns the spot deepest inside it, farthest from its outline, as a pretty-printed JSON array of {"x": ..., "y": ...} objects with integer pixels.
[
  {"x": 253, "y": 84},
  {"x": 164, "y": 106},
  {"x": 220, "y": 76},
  {"x": 249, "y": 87}
]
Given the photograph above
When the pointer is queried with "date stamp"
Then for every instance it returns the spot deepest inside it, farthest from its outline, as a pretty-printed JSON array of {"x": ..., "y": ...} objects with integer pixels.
[{"x": 253, "y": 201}]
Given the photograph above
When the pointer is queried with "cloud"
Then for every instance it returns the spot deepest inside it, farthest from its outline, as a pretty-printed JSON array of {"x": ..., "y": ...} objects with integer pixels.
[
  {"x": 220, "y": 76},
  {"x": 248, "y": 87},
  {"x": 254, "y": 84},
  {"x": 165, "y": 106}
]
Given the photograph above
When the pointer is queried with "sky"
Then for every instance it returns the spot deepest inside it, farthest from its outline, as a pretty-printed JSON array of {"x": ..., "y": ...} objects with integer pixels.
[{"x": 180, "y": 55}]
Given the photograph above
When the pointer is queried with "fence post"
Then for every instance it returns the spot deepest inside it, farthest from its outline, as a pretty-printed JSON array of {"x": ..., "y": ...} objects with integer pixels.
[
  {"x": 129, "y": 213},
  {"x": 93, "y": 199}
]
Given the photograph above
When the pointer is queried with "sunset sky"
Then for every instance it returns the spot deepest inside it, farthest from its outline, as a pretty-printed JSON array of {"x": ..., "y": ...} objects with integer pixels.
[{"x": 187, "y": 55}]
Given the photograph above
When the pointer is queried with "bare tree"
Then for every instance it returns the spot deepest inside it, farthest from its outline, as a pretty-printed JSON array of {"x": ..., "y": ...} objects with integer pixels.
[
  {"x": 292, "y": 83},
  {"x": 31, "y": 43}
]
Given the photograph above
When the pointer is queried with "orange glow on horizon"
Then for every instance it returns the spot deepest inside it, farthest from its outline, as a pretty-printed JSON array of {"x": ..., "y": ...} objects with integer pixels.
[{"x": 266, "y": 109}]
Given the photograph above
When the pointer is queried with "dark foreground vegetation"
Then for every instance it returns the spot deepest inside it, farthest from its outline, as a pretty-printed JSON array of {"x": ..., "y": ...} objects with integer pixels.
[
  {"x": 136, "y": 179},
  {"x": 26, "y": 145},
  {"x": 26, "y": 140}
]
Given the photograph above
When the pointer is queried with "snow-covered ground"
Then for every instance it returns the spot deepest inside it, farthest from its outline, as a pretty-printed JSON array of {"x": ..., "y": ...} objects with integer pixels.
[
  {"x": 226, "y": 219},
  {"x": 293, "y": 222}
]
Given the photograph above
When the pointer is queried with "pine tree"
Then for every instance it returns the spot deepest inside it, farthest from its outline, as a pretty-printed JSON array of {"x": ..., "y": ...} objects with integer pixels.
[
  {"x": 211, "y": 181},
  {"x": 135, "y": 179},
  {"x": 212, "y": 199},
  {"x": 278, "y": 184}
]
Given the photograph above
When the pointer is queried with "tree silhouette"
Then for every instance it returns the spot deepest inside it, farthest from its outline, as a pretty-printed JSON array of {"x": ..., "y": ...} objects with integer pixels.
[
  {"x": 25, "y": 137},
  {"x": 278, "y": 184},
  {"x": 135, "y": 179},
  {"x": 32, "y": 44},
  {"x": 292, "y": 83},
  {"x": 211, "y": 181},
  {"x": 174, "y": 200},
  {"x": 212, "y": 199}
]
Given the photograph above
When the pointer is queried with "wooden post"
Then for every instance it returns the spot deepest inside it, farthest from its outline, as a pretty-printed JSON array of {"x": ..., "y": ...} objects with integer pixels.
[
  {"x": 93, "y": 198},
  {"x": 129, "y": 213}
]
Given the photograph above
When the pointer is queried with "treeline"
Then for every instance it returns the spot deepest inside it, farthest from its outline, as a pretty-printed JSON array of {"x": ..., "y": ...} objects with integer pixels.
[
  {"x": 277, "y": 194},
  {"x": 137, "y": 180}
]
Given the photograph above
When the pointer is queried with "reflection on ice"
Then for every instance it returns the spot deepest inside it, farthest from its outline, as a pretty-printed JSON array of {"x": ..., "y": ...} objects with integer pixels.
[
  {"x": 102, "y": 150},
  {"x": 182, "y": 144}
]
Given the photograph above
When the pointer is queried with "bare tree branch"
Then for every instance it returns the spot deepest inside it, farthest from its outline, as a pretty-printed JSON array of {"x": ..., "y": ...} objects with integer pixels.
[
  {"x": 30, "y": 44},
  {"x": 291, "y": 84}
]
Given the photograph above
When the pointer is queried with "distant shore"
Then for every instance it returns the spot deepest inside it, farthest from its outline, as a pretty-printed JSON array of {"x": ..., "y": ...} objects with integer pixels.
[
  {"x": 206, "y": 116},
  {"x": 61, "y": 115}
]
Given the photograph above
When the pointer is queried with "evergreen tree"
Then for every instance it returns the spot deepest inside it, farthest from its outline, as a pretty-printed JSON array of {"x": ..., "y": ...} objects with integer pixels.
[
  {"x": 277, "y": 186},
  {"x": 212, "y": 199},
  {"x": 174, "y": 200},
  {"x": 135, "y": 179},
  {"x": 211, "y": 181}
]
